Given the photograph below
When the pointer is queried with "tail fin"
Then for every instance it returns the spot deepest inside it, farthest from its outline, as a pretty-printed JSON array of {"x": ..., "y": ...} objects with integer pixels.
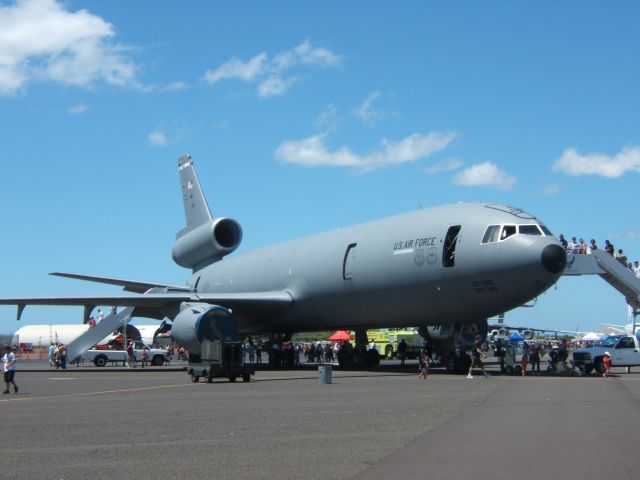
[{"x": 196, "y": 209}]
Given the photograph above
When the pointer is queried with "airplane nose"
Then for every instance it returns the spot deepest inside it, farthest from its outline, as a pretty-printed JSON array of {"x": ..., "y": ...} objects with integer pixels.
[{"x": 554, "y": 258}]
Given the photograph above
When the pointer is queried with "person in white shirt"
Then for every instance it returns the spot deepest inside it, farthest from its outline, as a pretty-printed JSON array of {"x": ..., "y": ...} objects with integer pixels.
[{"x": 9, "y": 369}]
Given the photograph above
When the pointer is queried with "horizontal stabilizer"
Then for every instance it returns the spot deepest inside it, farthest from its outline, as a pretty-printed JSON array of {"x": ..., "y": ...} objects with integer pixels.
[{"x": 128, "y": 285}]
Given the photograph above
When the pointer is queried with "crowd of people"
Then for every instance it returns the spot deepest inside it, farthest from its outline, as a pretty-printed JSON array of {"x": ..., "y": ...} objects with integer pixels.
[{"x": 579, "y": 247}]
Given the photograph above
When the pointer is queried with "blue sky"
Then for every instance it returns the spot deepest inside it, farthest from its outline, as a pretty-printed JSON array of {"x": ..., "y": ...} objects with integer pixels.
[{"x": 307, "y": 116}]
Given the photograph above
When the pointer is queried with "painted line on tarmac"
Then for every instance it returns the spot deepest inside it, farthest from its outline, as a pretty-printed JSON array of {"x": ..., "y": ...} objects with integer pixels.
[{"x": 89, "y": 394}]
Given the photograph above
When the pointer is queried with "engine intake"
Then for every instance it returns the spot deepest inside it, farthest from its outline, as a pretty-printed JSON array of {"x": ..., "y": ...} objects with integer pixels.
[
  {"x": 202, "y": 321},
  {"x": 207, "y": 243}
]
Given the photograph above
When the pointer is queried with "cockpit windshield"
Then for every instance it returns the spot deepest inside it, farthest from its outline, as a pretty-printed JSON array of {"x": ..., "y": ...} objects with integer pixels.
[{"x": 498, "y": 233}]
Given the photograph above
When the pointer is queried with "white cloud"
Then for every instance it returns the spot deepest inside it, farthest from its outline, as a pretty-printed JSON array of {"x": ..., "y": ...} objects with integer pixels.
[
  {"x": 328, "y": 119},
  {"x": 313, "y": 152},
  {"x": 237, "y": 69},
  {"x": 485, "y": 174},
  {"x": 444, "y": 166},
  {"x": 41, "y": 41},
  {"x": 365, "y": 110},
  {"x": 174, "y": 87},
  {"x": 573, "y": 163},
  {"x": 269, "y": 73},
  {"x": 78, "y": 109},
  {"x": 157, "y": 138},
  {"x": 275, "y": 85}
]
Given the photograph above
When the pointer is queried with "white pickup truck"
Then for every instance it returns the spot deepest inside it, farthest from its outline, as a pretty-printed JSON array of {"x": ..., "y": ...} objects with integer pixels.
[
  {"x": 100, "y": 357},
  {"x": 624, "y": 350}
]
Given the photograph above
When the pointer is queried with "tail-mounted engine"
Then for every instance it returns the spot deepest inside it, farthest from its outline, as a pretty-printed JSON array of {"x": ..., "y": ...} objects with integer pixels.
[
  {"x": 207, "y": 243},
  {"x": 197, "y": 322}
]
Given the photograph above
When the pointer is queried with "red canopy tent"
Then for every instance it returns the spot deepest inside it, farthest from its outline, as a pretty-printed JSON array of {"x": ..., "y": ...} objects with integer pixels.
[{"x": 340, "y": 335}]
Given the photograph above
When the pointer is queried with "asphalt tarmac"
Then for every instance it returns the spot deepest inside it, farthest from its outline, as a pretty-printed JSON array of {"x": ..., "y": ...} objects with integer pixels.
[{"x": 156, "y": 424}]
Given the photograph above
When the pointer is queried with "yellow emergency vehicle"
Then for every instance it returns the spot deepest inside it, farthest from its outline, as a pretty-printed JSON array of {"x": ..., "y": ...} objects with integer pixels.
[{"x": 387, "y": 341}]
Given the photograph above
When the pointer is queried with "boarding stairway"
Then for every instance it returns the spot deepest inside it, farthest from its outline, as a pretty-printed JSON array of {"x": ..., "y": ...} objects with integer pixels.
[
  {"x": 104, "y": 328},
  {"x": 599, "y": 262}
]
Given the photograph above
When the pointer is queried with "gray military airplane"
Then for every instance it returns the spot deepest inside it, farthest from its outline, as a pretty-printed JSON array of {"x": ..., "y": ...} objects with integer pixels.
[{"x": 449, "y": 265}]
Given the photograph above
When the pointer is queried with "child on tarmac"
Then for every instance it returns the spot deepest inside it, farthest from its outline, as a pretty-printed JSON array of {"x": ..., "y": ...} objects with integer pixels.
[
  {"x": 423, "y": 366},
  {"x": 606, "y": 363},
  {"x": 524, "y": 362}
]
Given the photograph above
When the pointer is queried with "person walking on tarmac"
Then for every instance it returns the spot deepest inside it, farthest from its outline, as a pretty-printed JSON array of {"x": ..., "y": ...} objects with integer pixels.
[
  {"x": 9, "y": 369},
  {"x": 476, "y": 358},
  {"x": 131, "y": 358},
  {"x": 402, "y": 351}
]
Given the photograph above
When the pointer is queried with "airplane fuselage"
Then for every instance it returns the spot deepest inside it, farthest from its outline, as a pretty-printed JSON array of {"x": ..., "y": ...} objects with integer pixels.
[{"x": 426, "y": 267}]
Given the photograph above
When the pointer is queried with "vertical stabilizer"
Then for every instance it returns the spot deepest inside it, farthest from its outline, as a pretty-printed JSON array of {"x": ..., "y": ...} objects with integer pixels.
[{"x": 196, "y": 209}]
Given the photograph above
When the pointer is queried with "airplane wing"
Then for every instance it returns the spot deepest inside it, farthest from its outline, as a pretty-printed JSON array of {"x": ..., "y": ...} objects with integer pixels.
[
  {"x": 158, "y": 305},
  {"x": 129, "y": 285}
]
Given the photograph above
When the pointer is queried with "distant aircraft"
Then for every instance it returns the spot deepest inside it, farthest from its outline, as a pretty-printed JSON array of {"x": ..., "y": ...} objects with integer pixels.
[
  {"x": 45, "y": 335},
  {"x": 449, "y": 267}
]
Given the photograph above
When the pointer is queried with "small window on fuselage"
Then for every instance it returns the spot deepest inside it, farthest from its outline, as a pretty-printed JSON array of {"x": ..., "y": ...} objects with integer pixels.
[
  {"x": 529, "y": 230},
  {"x": 492, "y": 234},
  {"x": 507, "y": 231}
]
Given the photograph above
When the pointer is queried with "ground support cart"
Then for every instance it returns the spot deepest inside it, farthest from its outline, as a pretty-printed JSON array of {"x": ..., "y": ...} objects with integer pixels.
[{"x": 219, "y": 359}]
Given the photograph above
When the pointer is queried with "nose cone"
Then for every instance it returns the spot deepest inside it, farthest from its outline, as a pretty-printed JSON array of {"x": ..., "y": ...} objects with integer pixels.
[{"x": 554, "y": 258}]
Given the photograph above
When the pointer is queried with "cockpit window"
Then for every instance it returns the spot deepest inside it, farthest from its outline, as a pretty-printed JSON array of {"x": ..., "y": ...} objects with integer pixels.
[
  {"x": 492, "y": 234},
  {"x": 546, "y": 231},
  {"x": 529, "y": 230},
  {"x": 497, "y": 233},
  {"x": 507, "y": 231}
]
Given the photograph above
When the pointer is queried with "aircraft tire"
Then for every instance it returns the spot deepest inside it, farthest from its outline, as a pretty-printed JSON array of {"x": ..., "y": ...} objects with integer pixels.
[
  {"x": 100, "y": 361},
  {"x": 451, "y": 363},
  {"x": 373, "y": 358}
]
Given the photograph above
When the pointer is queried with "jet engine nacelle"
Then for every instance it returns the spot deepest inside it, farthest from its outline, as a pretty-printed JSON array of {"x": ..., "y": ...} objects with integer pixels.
[
  {"x": 207, "y": 243},
  {"x": 197, "y": 322},
  {"x": 527, "y": 334},
  {"x": 466, "y": 333}
]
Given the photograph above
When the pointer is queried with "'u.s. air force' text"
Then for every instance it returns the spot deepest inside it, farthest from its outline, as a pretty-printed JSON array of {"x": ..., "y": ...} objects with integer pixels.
[{"x": 415, "y": 243}]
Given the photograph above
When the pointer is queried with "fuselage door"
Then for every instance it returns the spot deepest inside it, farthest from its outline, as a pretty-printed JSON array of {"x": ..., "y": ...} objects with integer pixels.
[
  {"x": 449, "y": 247},
  {"x": 349, "y": 259}
]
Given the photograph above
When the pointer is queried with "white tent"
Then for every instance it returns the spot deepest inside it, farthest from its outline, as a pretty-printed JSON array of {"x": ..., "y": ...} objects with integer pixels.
[{"x": 592, "y": 336}]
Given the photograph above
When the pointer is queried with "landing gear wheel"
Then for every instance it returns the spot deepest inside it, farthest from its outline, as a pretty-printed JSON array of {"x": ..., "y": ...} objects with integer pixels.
[
  {"x": 388, "y": 352},
  {"x": 450, "y": 363},
  {"x": 373, "y": 358}
]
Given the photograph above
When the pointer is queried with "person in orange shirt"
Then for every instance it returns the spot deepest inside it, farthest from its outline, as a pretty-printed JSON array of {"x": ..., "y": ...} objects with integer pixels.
[{"x": 606, "y": 362}]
